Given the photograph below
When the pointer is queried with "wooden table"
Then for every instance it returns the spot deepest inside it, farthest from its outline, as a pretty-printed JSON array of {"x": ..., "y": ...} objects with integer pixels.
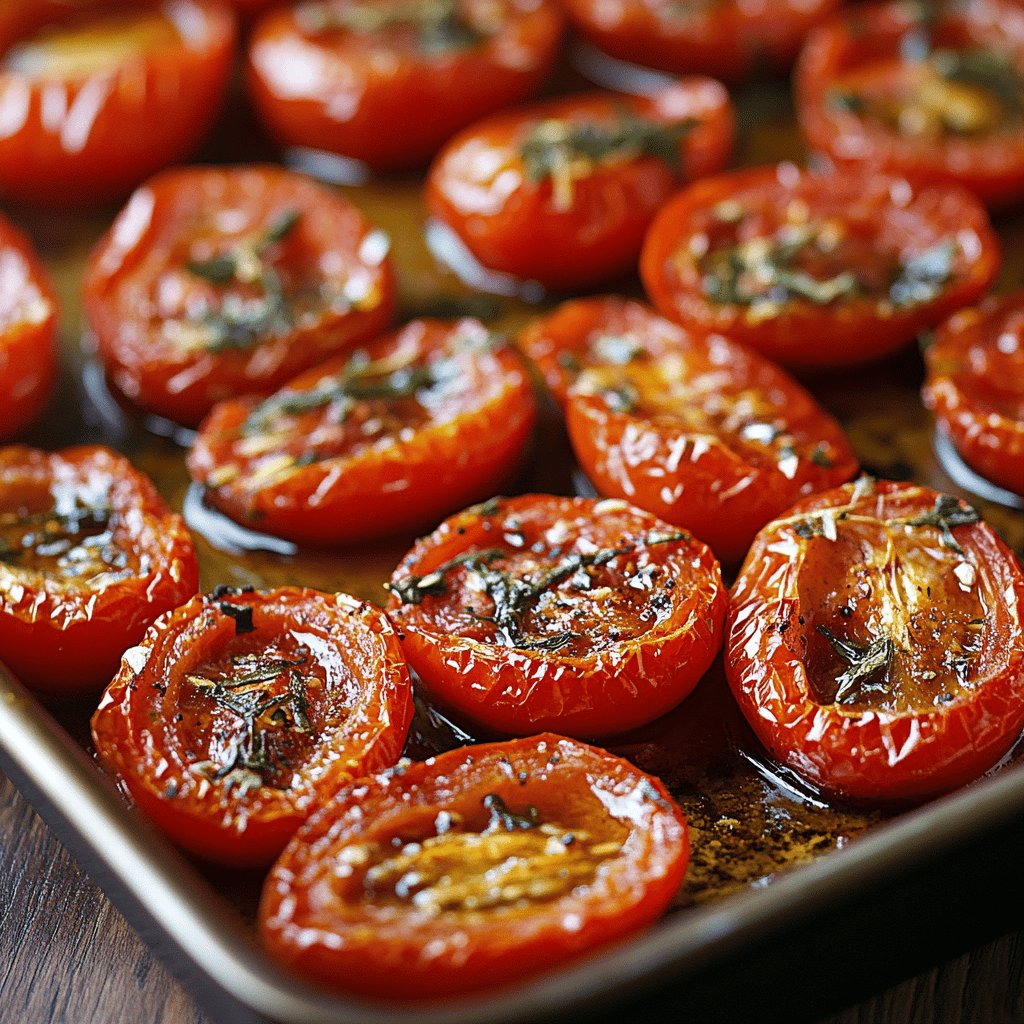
[{"x": 66, "y": 955}]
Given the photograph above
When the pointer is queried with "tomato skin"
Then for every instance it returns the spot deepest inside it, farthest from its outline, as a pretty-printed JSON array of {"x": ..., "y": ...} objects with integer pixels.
[
  {"x": 59, "y": 635},
  {"x": 28, "y": 332},
  {"x": 117, "y": 125},
  {"x": 622, "y": 670},
  {"x": 138, "y": 737},
  {"x": 729, "y": 41},
  {"x": 861, "y": 50},
  {"x": 463, "y": 452},
  {"x": 975, "y": 386},
  {"x": 383, "y": 79},
  {"x": 333, "y": 934},
  {"x": 478, "y": 185},
  {"x": 885, "y": 218},
  {"x": 687, "y": 461},
  {"x": 137, "y": 286},
  {"x": 866, "y": 751}
]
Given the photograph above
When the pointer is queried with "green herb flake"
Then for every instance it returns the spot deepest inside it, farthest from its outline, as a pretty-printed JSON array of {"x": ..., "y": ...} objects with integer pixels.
[
  {"x": 947, "y": 514},
  {"x": 508, "y": 820},
  {"x": 865, "y": 661},
  {"x": 922, "y": 278}
]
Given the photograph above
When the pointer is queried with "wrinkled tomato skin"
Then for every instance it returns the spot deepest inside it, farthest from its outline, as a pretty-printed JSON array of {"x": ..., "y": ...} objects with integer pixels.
[
  {"x": 870, "y": 754},
  {"x": 399, "y": 953},
  {"x": 729, "y": 41},
  {"x": 861, "y": 49},
  {"x": 60, "y": 637},
  {"x": 139, "y": 737},
  {"x": 856, "y": 330},
  {"x": 371, "y": 492},
  {"x": 599, "y": 692},
  {"x": 28, "y": 333},
  {"x": 519, "y": 228},
  {"x": 118, "y": 125},
  {"x": 349, "y": 73},
  {"x": 136, "y": 284},
  {"x": 699, "y": 478},
  {"x": 974, "y": 385}
]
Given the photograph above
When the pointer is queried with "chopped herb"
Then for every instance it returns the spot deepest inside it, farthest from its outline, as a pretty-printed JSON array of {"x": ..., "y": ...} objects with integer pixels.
[
  {"x": 569, "y": 361},
  {"x": 848, "y": 102},
  {"x": 510, "y": 821},
  {"x": 621, "y": 397},
  {"x": 864, "y": 662},
  {"x": 921, "y": 279},
  {"x": 556, "y": 148},
  {"x": 439, "y": 24},
  {"x": 820, "y": 456},
  {"x": 617, "y": 349},
  {"x": 947, "y": 513},
  {"x": 413, "y": 589},
  {"x": 241, "y": 613},
  {"x": 226, "y": 590}
]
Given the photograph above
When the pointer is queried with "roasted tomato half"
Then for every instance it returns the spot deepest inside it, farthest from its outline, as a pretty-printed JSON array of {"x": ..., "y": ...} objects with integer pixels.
[
  {"x": 875, "y": 642},
  {"x": 97, "y": 95},
  {"x": 388, "y": 81},
  {"x": 535, "y": 612},
  {"x": 216, "y": 282},
  {"x": 934, "y": 91},
  {"x": 28, "y": 333},
  {"x": 698, "y": 430},
  {"x": 474, "y": 869},
  {"x": 728, "y": 39},
  {"x": 390, "y": 438},
  {"x": 89, "y": 557},
  {"x": 817, "y": 270},
  {"x": 242, "y": 711},
  {"x": 975, "y": 387},
  {"x": 562, "y": 192}
]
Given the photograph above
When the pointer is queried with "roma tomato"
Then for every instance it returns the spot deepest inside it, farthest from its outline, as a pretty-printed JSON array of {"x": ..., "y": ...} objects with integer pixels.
[
  {"x": 474, "y": 869},
  {"x": 933, "y": 91},
  {"x": 390, "y": 438},
  {"x": 98, "y": 95},
  {"x": 562, "y": 192},
  {"x": 241, "y": 711},
  {"x": 388, "y": 81},
  {"x": 540, "y": 612},
  {"x": 875, "y": 642},
  {"x": 817, "y": 270},
  {"x": 728, "y": 39},
  {"x": 700, "y": 431},
  {"x": 216, "y": 282},
  {"x": 28, "y": 333},
  {"x": 89, "y": 557},
  {"x": 975, "y": 386}
]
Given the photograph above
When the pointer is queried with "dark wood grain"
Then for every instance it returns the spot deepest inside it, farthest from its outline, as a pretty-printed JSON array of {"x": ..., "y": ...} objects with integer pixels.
[{"x": 68, "y": 957}]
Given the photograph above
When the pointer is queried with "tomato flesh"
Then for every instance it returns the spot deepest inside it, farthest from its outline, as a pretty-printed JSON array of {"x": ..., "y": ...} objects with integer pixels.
[
  {"x": 386, "y": 439},
  {"x": 89, "y": 557},
  {"x": 241, "y": 711},
  {"x": 975, "y": 386},
  {"x": 134, "y": 91},
  {"x": 875, "y": 642},
  {"x": 704, "y": 434},
  {"x": 777, "y": 258},
  {"x": 528, "y": 612},
  {"x": 935, "y": 93},
  {"x": 474, "y": 869},
  {"x": 216, "y": 283}
]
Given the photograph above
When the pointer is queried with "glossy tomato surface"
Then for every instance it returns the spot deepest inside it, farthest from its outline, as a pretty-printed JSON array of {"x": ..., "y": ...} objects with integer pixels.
[
  {"x": 539, "y": 612},
  {"x": 562, "y": 192},
  {"x": 817, "y": 270},
  {"x": 242, "y": 711},
  {"x": 98, "y": 95},
  {"x": 388, "y": 81},
  {"x": 28, "y": 333},
  {"x": 975, "y": 387},
  {"x": 875, "y": 642},
  {"x": 705, "y": 434},
  {"x": 727, "y": 39},
  {"x": 933, "y": 91},
  {"x": 219, "y": 282},
  {"x": 89, "y": 557},
  {"x": 477, "y": 868},
  {"x": 389, "y": 438}
]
